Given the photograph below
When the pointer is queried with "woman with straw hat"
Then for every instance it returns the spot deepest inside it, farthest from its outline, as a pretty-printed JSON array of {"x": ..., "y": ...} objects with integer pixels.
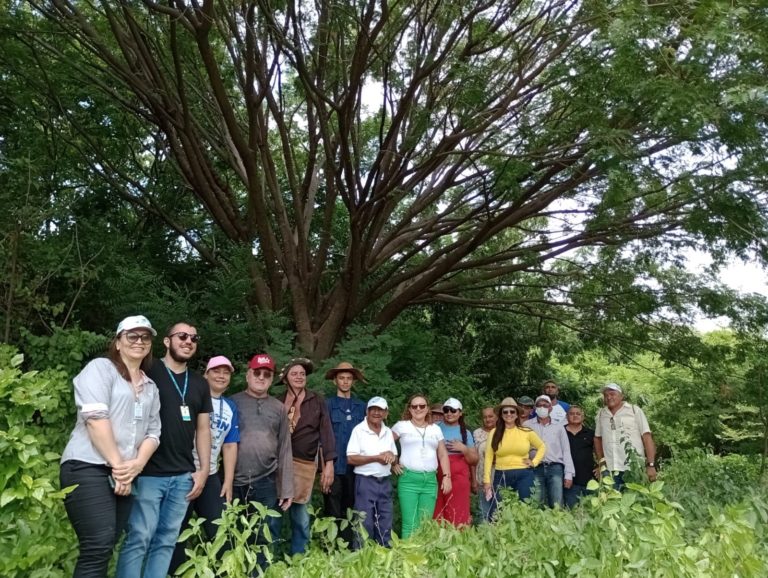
[{"x": 510, "y": 447}]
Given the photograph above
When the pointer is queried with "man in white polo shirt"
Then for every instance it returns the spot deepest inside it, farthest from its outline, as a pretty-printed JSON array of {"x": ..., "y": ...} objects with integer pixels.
[{"x": 372, "y": 451}]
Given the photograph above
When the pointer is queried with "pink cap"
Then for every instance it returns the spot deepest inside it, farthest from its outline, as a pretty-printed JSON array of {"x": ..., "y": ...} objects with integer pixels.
[
  {"x": 261, "y": 360},
  {"x": 219, "y": 361}
]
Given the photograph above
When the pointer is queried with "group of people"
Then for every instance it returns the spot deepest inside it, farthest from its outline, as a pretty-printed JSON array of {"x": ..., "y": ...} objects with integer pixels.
[{"x": 144, "y": 454}]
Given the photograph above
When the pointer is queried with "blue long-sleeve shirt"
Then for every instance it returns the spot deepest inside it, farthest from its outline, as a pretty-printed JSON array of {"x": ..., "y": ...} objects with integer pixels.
[{"x": 345, "y": 415}]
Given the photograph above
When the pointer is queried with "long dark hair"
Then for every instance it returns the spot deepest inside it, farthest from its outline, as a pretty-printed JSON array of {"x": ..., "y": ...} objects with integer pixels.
[
  {"x": 498, "y": 433},
  {"x": 463, "y": 428},
  {"x": 114, "y": 356}
]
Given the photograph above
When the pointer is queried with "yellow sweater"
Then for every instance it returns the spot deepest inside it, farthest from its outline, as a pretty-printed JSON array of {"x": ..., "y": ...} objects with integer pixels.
[{"x": 514, "y": 447}]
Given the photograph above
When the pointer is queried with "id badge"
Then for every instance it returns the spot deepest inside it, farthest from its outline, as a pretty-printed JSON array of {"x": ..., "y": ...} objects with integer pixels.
[
  {"x": 185, "y": 413},
  {"x": 424, "y": 453},
  {"x": 138, "y": 411}
]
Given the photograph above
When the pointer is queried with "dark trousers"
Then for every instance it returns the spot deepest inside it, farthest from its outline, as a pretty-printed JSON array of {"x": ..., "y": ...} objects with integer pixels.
[
  {"x": 340, "y": 499},
  {"x": 209, "y": 505},
  {"x": 373, "y": 497},
  {"x": 96, "y": 513},
  {"x": 262, "y": 491}
]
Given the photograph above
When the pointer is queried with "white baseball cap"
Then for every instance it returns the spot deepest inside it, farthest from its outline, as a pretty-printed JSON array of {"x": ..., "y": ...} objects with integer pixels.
[
  {"x": 135, "y": 322},
  {"x": 453, "y": 403},
  {"x": 612, "y": 387},
  {"x": 544, "y": 397},
  {"x": 379, "y": 402}
]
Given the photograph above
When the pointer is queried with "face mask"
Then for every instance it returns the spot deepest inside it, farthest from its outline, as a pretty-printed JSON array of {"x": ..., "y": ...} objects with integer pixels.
[{"x": 542, "y": 412}]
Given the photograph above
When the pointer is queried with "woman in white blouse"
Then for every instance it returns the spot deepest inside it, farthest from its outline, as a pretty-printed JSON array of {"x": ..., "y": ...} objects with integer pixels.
[
  {"x": 117, "y": 430},
  {"x": 421, "y": 448}
]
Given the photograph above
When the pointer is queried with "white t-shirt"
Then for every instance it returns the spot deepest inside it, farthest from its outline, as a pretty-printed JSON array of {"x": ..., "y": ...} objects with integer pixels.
[
  {"x": 418, "y": 445},
  {"x": 365, "y": 442}
]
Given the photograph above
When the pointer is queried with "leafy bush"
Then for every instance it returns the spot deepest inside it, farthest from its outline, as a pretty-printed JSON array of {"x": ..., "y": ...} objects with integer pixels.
[
  {"x": 36, "y": 539},
  {"x": 638, "y": 533}
]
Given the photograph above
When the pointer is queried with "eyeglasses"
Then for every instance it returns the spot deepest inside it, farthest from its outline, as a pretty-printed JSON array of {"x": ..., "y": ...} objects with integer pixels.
[
  {"x": 183, "y": 336},
  {"x": 142, "y": 337},
  {"x": 418, "y": 406},
  {"x": 508, "y": 412},
  {"x": 450, "y": 410},
  {"x": 613, "y": 424},
  {"x": 262, "y": 373}
]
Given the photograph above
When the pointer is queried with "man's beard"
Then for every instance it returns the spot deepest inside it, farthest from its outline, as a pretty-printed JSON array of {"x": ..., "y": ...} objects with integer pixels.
[{"x": 177, "y": 357}]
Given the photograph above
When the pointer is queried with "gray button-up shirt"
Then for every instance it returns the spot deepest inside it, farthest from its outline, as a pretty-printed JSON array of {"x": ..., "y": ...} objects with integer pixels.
[
  {"x": 558, "y": 448},
  {"x": 102, "y": 393}
]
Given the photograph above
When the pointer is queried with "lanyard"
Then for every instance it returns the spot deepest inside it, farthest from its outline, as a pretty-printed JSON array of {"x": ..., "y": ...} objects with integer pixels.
[
  {"x": 183, "y": 394},
  {"x": 423, "y": 435}
]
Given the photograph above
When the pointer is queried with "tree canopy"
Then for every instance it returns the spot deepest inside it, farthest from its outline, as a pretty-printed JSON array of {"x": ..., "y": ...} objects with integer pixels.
[{"x": 353, "y": 159}]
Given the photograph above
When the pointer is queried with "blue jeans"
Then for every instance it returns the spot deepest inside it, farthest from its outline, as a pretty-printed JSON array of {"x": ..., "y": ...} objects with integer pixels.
[
  {"x": 263, "y": 491},
  {"x": 300, "y": 528},
  {"x": 519, "y": 480},
  {"x": 485, "y": 506},
  {"x": 159, "y": 507},
  {"x": 573, "y": 494},
  {"x": 549, "y": 484}
]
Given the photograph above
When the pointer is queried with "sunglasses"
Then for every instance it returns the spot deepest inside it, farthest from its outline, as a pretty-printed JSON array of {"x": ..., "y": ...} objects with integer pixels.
[
  {"x": 418, "y": 406},
  {"x": 135, "y": 337},
  {"x": 450, "y": 410},
  {"x": 613, "y": 424},
  {"x": 183, "y": 336},
  {"x": 508, "y": 412},
  {"x": 262, "y": 373}
]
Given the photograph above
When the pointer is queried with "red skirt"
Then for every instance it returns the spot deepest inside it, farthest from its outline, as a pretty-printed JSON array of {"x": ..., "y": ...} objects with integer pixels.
[{"x": 454, "y": 507}]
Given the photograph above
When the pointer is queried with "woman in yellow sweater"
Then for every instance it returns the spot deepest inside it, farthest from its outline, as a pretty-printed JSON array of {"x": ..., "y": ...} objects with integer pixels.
[{"x": 510, "y": 447}]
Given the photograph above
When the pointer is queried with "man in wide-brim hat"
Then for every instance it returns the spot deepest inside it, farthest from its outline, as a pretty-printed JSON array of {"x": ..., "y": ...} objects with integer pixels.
[{"x": 346, "y": 411}]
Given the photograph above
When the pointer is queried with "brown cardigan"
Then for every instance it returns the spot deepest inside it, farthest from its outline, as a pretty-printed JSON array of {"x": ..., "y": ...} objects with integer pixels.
[{"x": 313, "y": 429}]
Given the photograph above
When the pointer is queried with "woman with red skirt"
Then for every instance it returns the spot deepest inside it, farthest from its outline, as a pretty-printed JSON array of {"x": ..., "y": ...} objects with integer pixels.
[{"x": 454, "y": 506}]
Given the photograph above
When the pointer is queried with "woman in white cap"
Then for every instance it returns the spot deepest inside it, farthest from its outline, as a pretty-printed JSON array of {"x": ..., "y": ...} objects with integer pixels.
[
  {"x": 117, "y": 430},
  {"x": 509, "y": 452},
  {"x": 462, "y": 455}
]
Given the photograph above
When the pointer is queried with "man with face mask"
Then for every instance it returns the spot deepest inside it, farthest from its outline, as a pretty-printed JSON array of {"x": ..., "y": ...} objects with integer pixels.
[{"x": 556, "y": 470}]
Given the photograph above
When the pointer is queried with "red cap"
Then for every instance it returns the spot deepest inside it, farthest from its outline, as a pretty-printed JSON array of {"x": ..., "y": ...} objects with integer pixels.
[{"x": 261, "y": 360}]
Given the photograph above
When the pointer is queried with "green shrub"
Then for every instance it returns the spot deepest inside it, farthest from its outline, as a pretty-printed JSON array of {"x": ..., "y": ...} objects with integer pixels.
[{"x": 36, "y": 413}]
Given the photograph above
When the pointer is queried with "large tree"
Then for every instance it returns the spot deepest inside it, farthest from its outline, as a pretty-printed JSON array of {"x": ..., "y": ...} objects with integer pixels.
[{"x": 375, "y": 155}]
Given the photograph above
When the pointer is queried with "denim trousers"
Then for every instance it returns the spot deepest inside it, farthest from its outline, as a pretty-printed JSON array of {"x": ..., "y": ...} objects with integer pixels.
[
  {"x": 262, "y": 491},
  {"x": 573, "y": 494},
  {"x": 159, "y": 507},
  {"x": 549, "y": 484},
  {"x": 417, "y": 492},
  {"x": 520, "y": 480},
  {"x": 300, "y": 528},
  {"x": 209, "y": 505},
  {"x": 97, "y": 515}
]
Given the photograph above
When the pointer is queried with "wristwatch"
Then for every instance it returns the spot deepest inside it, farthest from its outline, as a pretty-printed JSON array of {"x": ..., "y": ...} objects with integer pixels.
[{"x": 650, "y": 464}]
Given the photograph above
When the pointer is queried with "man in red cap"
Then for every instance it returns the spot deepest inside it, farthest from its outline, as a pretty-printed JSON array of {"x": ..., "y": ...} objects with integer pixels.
[{"x": 264, "y": 469}]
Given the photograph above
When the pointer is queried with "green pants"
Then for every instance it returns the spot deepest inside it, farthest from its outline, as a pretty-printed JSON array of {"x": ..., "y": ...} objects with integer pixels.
[{"x": 417, "y": 492}]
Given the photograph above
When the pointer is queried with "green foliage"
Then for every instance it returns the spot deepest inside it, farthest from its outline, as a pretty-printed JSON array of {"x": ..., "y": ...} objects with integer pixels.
[
  {"x": 638, "y": 533},
  {"x": 35, "y": 537},
  {"x": 232, "y": 552}
]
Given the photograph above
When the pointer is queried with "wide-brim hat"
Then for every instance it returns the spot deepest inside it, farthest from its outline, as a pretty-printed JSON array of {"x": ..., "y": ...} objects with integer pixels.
[
  {"x": 507, "y": 402},
  {"x": 349, "y": 368},
  {"x": 303, "y": 361}
]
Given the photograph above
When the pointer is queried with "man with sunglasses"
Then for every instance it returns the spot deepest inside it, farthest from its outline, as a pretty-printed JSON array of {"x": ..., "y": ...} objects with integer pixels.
[
  {"x": 170, "y": 480},
  {"x": 264, "y": 469},
  {"x": 617, "y": 424}
]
